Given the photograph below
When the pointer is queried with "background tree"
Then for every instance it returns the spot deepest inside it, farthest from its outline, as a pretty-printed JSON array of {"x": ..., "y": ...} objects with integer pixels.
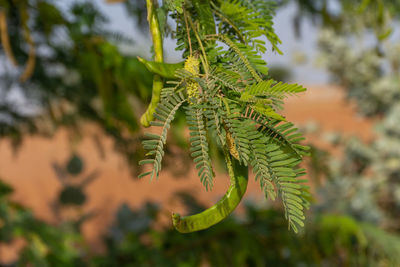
[
  {"x": 358, "y": 204},
  {"x": 68, "y": 70}
]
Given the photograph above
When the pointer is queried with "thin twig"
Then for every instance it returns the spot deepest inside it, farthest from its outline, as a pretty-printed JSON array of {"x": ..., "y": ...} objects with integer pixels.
[{"x": 187, "y": 31}]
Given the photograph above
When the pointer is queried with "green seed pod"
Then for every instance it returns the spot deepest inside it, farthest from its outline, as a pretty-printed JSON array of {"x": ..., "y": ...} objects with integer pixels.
[{"x": 221, "y": 209}]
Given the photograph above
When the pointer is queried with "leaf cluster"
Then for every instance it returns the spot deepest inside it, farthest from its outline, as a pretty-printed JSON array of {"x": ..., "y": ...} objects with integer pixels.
[{"x": 236, "y": 103}]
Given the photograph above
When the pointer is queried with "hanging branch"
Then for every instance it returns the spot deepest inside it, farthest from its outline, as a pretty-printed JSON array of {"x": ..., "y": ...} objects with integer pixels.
[
  {"x": 227, "y": 95},
  {"x": 5, "y": 40}
]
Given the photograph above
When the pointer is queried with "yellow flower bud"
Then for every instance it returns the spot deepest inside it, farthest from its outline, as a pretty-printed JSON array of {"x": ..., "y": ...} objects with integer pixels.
[
  {"x": 192, "y": 65},
  {"x": 231, "y": 145}
]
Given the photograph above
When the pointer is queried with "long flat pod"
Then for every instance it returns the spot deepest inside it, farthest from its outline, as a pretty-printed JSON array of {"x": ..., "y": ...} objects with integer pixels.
[
  {"x": 221, "y": 210},
  {"x": 155, "y": 31}
]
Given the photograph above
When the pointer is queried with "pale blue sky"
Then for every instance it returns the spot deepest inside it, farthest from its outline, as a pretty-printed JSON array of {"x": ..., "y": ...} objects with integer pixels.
[{"x": 307, "y": 73}]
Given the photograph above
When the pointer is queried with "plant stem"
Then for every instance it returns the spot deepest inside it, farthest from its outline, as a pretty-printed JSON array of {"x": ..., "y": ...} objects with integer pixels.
[
  {"x": 205, "y": 63},
  {"x": 156, "y": 36}
]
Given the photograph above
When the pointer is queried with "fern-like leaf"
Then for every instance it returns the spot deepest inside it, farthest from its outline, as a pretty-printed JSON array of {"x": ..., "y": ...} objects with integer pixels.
[
  {"x": 269, "y": 93},
  {"x": 259, "y": 162},
  {"x": 248, "y": 56},
  {"x": 271, "y": 88},
  {"x": 247, "y": 20},
  {"x": 164, "y": 115},
  {"x": 214, "y": 121},
  {"x": 284, "y": 133},
  {"x": 267, "y": 111},
  {"x": 238, "y": 130},
  {"x": 294, "y": 194},
  {"x": 199, "y": 144},
  {"x": 266, "y": 11},
  {"x": 273, "y": 165},
  {"x": 227, "y": 78},
  {"x": 168, "y": 91}
]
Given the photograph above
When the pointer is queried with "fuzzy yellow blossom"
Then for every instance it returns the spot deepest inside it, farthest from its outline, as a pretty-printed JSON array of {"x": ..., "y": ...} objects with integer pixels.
[
  {"x": 231, "y": 145},
  {"x": 230, "y": 142},
  {"x": 192, "y": 65}
]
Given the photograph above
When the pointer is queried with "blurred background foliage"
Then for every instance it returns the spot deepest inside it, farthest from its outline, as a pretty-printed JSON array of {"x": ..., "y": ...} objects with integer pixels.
[{"x": 69, "y": 69}]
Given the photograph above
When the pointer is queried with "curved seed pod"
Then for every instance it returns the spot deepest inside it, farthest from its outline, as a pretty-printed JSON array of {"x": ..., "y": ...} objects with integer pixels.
[
  {"x": 5, "y": 40},
  {"x": 155, "y": 31},
  {"x": 213, "y": 215},
  {"x": 165, "y": 70},
  {"x": 148, "y": 116}
]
